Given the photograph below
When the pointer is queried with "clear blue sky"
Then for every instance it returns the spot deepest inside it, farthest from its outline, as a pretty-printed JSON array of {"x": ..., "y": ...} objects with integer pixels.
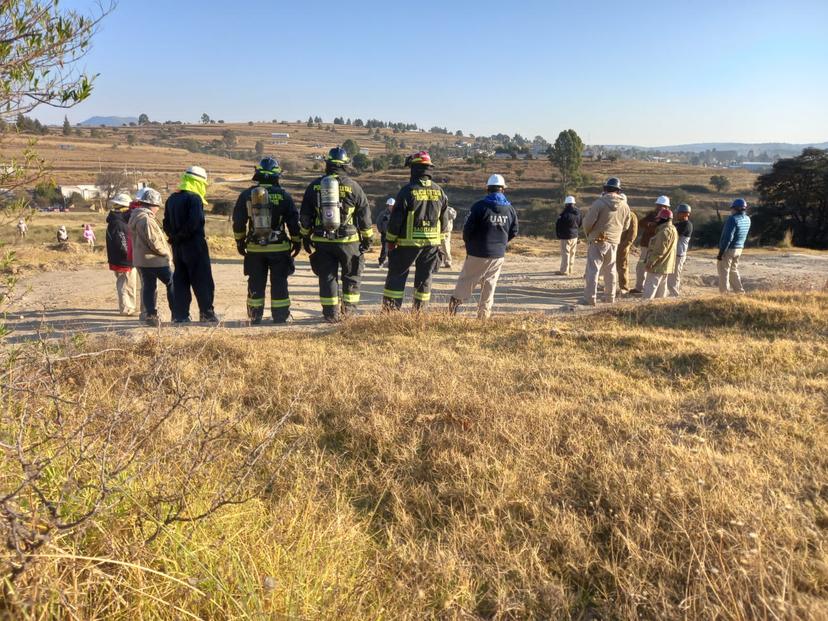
[{"x": 635, "y": 72}]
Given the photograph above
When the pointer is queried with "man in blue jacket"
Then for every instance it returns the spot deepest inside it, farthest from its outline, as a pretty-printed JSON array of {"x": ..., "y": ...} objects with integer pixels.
[
  {"x": 184, "y": 225},
  {"x": 566, "y": 228},
  {"x": 491, "y": 225},
  {"x": 731, "y": 244}
]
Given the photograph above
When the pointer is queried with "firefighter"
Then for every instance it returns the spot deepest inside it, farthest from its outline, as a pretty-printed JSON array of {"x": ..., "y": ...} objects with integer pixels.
[
  {"x": 415, "y": 232},
  {"x": 260, "y": 219},
  {"x": 335, "y": 224}
]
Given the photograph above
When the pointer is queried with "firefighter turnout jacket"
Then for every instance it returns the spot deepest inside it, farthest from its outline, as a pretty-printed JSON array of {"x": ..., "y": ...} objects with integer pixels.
[
  {"x": 284, "y": 221},
  {"x": 420, "y": 217},
  {"x": 355, "y": 213}
]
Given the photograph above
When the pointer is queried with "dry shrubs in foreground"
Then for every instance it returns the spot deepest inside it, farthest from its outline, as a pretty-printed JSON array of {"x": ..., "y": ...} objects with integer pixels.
[{"x": 665, "y": 462}]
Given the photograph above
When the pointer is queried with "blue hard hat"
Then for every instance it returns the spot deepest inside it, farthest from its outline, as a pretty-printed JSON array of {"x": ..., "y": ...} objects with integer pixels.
[
  {"x": 338, "y": 155},
  {"x": 740, "y": 204},
  {"x": 613, "y": 183}
]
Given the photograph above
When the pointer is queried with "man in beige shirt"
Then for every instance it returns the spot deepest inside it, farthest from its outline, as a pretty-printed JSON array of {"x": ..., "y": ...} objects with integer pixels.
[{"x": 604, "y": 224}]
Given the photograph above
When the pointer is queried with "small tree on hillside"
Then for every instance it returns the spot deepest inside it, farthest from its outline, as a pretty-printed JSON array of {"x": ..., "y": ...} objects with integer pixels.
[
  {"x": 259, "y": 148},
  {"x": 67, "y": 127},
  {"x": 143, "y": 119},
  {"x": 565, "y": 155},
  {"x": 229, "y": 138},
  {"x": 361, "y": 162},
  {"x": 205, "y": 118},
  {"x": 720, "y": 182},
  {"x": 110, "y": 182},
  {"x": 351, "y": 147}
]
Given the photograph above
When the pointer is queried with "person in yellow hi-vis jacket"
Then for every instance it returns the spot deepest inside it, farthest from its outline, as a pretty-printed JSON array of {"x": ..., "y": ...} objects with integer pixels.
[{"x": 416, "y": 230}]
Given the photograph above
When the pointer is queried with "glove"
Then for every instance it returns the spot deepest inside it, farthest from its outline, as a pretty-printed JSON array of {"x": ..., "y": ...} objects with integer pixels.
[
  {"x": 307, "y": 244},
  {"x": 720, "y": 257},
  {"x": 390, "y": 246},
  {"x": 296, "y": 248},
  {"x": 240, "y": 247},
  {"x": 364, "y": 245}
]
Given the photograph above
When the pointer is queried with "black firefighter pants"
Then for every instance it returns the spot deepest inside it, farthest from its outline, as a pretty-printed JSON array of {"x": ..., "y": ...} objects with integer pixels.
[
  {"x": 192, "y": 269},
  {"x": 327, "y": 260},
  {"x": 256, "y": 267},
  {"x": 400, "y": 260}
]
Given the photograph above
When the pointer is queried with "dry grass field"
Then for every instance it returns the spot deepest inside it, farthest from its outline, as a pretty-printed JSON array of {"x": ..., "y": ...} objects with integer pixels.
[{"x": 662, "y": 461}]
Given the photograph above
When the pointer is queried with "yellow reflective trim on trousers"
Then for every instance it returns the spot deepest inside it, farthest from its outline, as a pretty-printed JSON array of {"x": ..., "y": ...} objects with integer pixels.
[
  {"x": 390, "y": 237},
  {"x": 329, "y": 301},
  {"x": 350, "y": 298},
  {"x": 240, "y": 236},
  {"x": 255, "y": 302},
  {"x": 422, "y": 297},
  {"x": 256, "y": 248},
  {"x": 366, "y": 233},
  {"x": 394, "y": 295},
  {"x": 316, "y": 239},
  {"x": 304, "y": 232},
  {"x": 280, "y": 303}
]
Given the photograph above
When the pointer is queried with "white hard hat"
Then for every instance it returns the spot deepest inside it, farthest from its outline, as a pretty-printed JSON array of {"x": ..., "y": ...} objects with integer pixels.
[
  {"x": 391, "y": 202},
  {"x": 570, "y": 200},
  {"x": 496, "y": 180},
  {"x": 122, "y": 199},
  {"x": 148, "y": 196},
  {"x": 197, "y": 171},
  {"x": 664, "y": 201}
]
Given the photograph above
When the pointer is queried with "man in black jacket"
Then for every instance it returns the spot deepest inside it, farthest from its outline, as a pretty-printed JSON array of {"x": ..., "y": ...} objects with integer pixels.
[
  {"x": 184, "y": 225},
  {"x": 566, "y": 228},
  {"x": 266, "y": 228},
  {"x": 417, "y": 227},
  {"x": 341, "y": 250},
  {"x": 491, "y": 225}
]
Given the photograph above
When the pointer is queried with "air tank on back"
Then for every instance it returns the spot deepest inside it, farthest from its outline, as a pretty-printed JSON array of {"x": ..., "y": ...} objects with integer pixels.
[{"x": 330, "y": 205}]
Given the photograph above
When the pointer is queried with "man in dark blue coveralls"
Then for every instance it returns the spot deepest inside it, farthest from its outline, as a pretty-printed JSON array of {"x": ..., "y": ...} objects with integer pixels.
[{"x": 184, "y": 225}]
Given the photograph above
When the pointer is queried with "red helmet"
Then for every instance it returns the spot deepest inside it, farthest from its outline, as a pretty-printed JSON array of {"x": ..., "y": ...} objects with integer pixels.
[{"x": 421, "y": 158}]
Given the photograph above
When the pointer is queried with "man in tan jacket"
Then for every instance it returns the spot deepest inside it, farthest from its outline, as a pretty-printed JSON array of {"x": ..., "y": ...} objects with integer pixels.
[
  {"x": 604, "y": 224},
  {"x": 151, "y": 253},
  {"x": 623, "y": 255},
  {"x": 661, "y": 256}
]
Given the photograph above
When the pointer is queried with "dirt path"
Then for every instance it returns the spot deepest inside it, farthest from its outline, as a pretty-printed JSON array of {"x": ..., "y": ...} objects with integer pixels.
[{"x": 65, "y": 303}]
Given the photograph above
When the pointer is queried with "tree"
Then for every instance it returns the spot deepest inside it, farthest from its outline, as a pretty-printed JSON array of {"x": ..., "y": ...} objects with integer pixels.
[
  {"x": 359, "y": 123},
  {"x": 565, "y": 155},
  {"x": 228, "y": 136},
  {"x": 143, "y": 119},
  {"x": 720, "y": 182},
  {"x": 110, "y": 182},
  {"x": 131, "y": 139},
  {"x": 205, "y": 118},
  {"x": 361, "y": 162},
  {"x": 259, "y": 148},
  {"x": 310, "y": 121},
  {"x": 794, "y": 196},
  {"x": 351, "y": 147},
  {"x": 67, "y": 127}
]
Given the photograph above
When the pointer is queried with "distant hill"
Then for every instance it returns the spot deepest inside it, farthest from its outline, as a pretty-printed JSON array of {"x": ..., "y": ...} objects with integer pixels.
[
  {"x": 742, "y": 148},
  {"x": 109, "y": 121}
]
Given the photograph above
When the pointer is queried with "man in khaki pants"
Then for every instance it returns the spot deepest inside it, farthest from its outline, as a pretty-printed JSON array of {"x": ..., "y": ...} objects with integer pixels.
[
  {"x": 491, "y": 225},
  {"x": 604, "y": 223},
  {"x": 567, "y": 227},
  {"x": 731, "y": 244}
]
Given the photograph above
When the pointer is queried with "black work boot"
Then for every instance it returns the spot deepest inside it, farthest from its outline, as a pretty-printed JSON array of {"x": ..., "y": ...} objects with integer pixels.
[
  {"x": 419, "y": 305},
  {"x": 282, "y": 315},
  {"x": 390, "y": 306},
  {"x": 454, "y": 305},
  {"x": 331, "y": 314},
  {"x": 255, "y": 315},
  {"x": 208, "y": 316}
]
